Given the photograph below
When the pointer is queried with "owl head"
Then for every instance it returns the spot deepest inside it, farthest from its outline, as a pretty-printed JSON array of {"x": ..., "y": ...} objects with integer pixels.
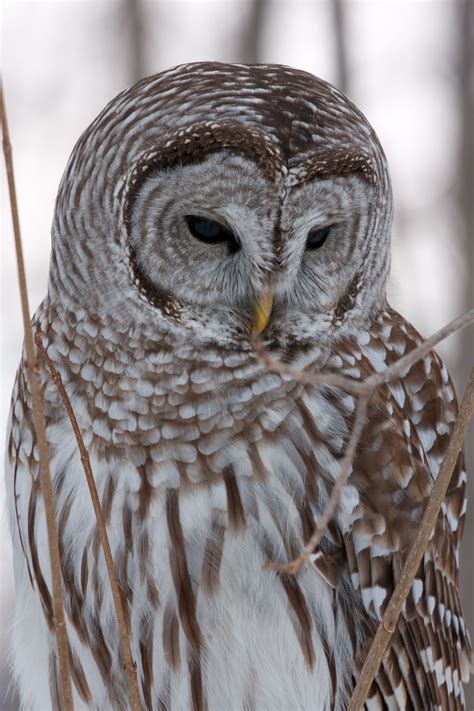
[{"x": 217, "y": 200}]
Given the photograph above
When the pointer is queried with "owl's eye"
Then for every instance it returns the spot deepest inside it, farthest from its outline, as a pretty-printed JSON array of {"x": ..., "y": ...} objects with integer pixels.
[
  {"x": 210, "y": 232},
  {"x": 316, "y": 238}
]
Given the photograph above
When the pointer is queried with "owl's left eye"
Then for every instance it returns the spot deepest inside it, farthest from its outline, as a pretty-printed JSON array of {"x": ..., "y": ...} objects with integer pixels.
[
  {"x": 316, "y": 238},
  {"x": 210, "y": 232}
]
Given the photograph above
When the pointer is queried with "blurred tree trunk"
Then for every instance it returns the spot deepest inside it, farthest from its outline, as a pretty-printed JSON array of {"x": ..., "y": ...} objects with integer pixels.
[
  {"x": 252, "y": 33},
  {"x": 134, "y": 30},
  {"x": 339, "y": 21},
  {"x": 465, "y": 197}
]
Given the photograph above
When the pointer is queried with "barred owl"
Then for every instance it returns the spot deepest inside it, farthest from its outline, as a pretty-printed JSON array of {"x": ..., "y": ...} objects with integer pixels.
[{"x": 204, "y": 203}]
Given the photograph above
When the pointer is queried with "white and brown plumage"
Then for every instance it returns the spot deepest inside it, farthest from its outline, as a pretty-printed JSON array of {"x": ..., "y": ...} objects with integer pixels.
[{"x": 207, "y": 464}]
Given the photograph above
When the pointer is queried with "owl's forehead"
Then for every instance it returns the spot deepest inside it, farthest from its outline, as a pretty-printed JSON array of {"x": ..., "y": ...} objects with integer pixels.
[
  {"x": 285, "y": 120},
  {"x": 300, "y": 114}
]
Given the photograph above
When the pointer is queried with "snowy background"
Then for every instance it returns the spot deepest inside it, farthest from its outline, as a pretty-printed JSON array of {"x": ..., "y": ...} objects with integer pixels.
[{"x": 406, "y": 63}]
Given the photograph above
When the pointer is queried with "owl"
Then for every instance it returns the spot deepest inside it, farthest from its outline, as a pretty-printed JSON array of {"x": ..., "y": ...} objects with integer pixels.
[{"x": 204, "y": 204}]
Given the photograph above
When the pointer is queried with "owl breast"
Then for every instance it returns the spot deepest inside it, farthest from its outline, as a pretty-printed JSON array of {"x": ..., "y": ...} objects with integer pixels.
[
  {"x": 208, "y": 471},
  {"x": 208, "y": 467}
]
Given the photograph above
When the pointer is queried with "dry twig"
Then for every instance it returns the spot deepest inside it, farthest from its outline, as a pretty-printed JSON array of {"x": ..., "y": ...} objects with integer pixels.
[
  {"x": 294, "y": 566},
  {"x": 129, "y": 665},
  {"x": 365, "y": 387},
  {"x": 387, "y": 626},
  {"x": 364, "y": 390},
  {"x": 40, "y": 429}
]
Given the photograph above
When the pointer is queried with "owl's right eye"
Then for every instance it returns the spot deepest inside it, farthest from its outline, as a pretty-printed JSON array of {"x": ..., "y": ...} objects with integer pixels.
[
  {"x": 210, "y": 232},
  {"x": 316, "y": 238}
]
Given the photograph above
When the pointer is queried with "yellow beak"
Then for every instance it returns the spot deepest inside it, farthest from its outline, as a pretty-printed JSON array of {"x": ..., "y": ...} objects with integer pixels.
[{"x": 262, "y": 310}]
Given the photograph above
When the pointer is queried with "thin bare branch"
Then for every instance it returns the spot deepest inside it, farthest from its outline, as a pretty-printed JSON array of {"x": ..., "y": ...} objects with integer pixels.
[
  {"x": 399, "y": 368},
  {"x": 294, "y": 566},
  {"x": 129, "y": 665},
  {"x": 355, "y": 387},
  {"x": 463, "y": 204},
  {"x": 364, "y": 387},
  {"x": 389, "y": 621},
  {"x": 40, "y": 429}
]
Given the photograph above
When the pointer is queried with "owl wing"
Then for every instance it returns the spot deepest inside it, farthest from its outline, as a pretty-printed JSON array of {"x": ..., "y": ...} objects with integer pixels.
[
  {"x": 22, "y": 479},
  {"x": 408, "y": 430}
]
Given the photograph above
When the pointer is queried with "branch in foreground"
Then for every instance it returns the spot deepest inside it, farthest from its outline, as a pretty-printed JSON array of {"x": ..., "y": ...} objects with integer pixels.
[
  {"x": 294, "y": 566},
  {"x": 40, "y": 429},
  {"x": 387, "y": 626},
  {"x": 364, "y": 387},
  {"x": 129, "y": 665},
  {"x": 401, "y": 366}
]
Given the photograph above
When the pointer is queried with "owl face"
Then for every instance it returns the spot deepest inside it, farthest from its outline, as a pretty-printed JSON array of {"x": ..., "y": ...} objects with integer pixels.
[
  {"x": 279, "y": 204},
  {"x": 219, "y": 236}
]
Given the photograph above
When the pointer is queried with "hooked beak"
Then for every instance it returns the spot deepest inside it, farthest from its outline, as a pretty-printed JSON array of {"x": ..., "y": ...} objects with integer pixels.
[{"x": 261, "y": 312}]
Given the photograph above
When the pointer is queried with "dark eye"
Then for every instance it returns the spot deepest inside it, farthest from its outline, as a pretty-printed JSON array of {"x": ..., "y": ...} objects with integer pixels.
[
  {"x": 316, "y": 238},
  {"x": 210, "y": 232}
]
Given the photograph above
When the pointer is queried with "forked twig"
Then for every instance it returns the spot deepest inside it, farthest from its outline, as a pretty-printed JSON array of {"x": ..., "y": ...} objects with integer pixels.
[
  {"x": 294, "y": 566},
  {"x": 387, "y": 626},
  {"x": 364, "y": 390},
  {"x": 403, "y": 364},
  {"x": 129, "y": 665},
  {"x": 40, "y": 429},
  {"x": 364, "y": 387}
]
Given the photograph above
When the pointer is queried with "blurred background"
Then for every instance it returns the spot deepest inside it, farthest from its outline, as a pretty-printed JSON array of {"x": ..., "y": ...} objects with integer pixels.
[{"x": 408, "y": 64}]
